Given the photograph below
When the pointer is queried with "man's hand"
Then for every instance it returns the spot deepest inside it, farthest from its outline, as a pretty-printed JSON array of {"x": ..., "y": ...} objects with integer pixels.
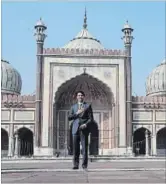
[
  {"x": 79, "y": 111},
  {"x": 83, "y": 126}
]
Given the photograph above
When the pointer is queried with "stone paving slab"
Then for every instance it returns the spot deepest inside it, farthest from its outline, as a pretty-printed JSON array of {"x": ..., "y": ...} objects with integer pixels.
[
  {"x": 92, "y": 165},
  {"x": 86, "y": 177}
]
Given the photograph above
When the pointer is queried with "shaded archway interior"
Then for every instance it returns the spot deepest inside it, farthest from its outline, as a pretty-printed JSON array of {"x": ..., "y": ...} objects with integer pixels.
[
  {"x": 97, "y": 93},
  {"x": 25, "y": 142},
  {"x": 4, "y": 142},
  {"x": 161, "y": 142},
  {"x": 139, "y": 141}
]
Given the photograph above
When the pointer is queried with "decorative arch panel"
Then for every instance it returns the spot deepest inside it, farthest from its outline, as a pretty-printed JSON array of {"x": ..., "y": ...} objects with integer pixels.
[
  {"x": 29, "y": 127},
  {"x": 62, "y": 74},
  {"x": 159, "y": 127},
  {"x": 6, "y": 128},
  {"x": 138, "y": 126}
]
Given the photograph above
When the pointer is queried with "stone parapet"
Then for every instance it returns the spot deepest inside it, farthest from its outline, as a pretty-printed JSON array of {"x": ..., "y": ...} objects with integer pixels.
[
  {"x": 83, "y": 52},
  {"x": 17, "y": 98},
  {"x": 149, "y": 99},
  {"x": 18, "y": 101}
]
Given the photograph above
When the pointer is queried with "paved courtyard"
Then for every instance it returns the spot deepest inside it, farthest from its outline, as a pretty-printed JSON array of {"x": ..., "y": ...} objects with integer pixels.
[{"x": 98, "y": 172}]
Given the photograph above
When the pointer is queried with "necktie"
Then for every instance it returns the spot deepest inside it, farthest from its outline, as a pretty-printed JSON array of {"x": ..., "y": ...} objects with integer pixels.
[{"x": 80, "y": 105}]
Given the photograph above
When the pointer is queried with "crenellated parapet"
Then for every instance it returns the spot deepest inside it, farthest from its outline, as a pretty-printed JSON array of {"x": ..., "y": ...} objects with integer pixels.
[
  {"x": 83, "y": 52},
  {"x": 149, "y": 99},
  {"x": 18, "y": 101},
  {"x": 149, "y": 102}
]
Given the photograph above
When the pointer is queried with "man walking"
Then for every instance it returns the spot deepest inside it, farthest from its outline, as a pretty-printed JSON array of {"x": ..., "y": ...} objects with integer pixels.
[{"x": 82, "y": 115}]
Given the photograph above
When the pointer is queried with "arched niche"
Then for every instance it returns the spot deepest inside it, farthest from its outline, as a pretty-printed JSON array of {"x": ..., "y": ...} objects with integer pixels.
[
  {"x": 139, "y": 141},
  {"x": 4, "y": 142},
  {"x": 161, "y": 142},
  {"x": 25, "y": 136},
  {"x": 97, "y": 93}
]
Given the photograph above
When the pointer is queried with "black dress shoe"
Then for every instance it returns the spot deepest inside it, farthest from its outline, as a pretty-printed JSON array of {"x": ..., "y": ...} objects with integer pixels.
[
  {"x": 75, "y": 167},
  {"x": 84, "y": 166}
]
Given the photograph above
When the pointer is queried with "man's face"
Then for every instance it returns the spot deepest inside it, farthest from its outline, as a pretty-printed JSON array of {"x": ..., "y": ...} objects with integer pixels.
[{"x": 80, "y": 97}]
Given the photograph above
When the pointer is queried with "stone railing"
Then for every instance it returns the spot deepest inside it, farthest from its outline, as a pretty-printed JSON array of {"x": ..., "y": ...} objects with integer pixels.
[
  {"x": 84, "y": 52},
  {"x": 149, "y": 99}
]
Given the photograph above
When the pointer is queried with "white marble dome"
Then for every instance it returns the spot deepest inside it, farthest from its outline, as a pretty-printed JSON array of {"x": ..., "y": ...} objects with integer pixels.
[
  {"x": 156, "y": 81},
  {"x": 84, "y": 40},
  {"x": 11, "y": 81}
]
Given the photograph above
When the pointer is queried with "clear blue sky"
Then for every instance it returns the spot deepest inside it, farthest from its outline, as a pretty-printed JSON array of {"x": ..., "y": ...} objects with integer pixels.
[{"x": 64, "y": 20}]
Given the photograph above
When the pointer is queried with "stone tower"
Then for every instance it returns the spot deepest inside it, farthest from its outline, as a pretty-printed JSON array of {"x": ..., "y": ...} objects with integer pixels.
[
  {"x": 40, "y": 37},
  {"x": 128, "y": 38}
]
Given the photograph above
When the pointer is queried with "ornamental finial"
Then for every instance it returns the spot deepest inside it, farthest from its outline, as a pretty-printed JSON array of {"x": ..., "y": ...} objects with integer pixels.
[{"x": 85, "y": 20}]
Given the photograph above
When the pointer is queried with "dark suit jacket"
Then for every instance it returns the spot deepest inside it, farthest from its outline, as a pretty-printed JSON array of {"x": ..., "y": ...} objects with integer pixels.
[{"x": 85, "y": 117}]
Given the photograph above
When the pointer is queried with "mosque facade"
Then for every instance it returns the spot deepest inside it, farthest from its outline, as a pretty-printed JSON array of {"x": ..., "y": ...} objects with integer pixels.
[{"x": 125, "y": 125}]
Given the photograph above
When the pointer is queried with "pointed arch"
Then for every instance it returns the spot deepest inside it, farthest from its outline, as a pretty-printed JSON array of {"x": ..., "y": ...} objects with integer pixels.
[
  {"x": 97, "y": 92},
  {"x": 25, "y": 141},
  {"x": 139, "y": 141},
  {"x": 4, "y": 142},
  {"x": 161, "y": 142}
]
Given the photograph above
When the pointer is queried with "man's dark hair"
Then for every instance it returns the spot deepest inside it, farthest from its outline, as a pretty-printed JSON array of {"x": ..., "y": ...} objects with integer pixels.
[{"x": 80, "y": 92}]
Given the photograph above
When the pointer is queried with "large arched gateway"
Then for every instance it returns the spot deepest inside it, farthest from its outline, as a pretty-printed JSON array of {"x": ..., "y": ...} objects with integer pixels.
[{"x": 101, "y": 98}]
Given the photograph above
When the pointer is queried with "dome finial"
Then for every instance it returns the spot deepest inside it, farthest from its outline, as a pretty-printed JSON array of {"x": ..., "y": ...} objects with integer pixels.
[{"x": 85, "y": 20}]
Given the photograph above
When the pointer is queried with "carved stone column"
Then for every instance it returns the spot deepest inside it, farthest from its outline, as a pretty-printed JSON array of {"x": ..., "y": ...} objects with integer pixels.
[
  {"x": 146, "y": 143},
  {"x": 11, "y": 142},
  {"x": 16, "y": 145},
  {"x": 154, "y": 146},
  {"x": 11, "y": 145}
]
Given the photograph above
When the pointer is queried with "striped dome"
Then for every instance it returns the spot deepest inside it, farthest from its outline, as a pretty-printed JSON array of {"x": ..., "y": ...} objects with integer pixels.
[
  {"x": 156, "y": 81},
  {"x": 11, "y": 81}
]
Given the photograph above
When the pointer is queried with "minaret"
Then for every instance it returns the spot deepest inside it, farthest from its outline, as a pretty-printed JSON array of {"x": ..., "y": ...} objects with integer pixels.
[
  {"x": 40, "y": 37},
  {"x": 128, "y": 38}
]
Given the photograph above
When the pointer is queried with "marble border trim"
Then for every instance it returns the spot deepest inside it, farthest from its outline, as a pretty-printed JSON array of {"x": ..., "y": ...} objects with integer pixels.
[
  {"x": 51, "y": 95},
  {"x": 83, "y": 64}
]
